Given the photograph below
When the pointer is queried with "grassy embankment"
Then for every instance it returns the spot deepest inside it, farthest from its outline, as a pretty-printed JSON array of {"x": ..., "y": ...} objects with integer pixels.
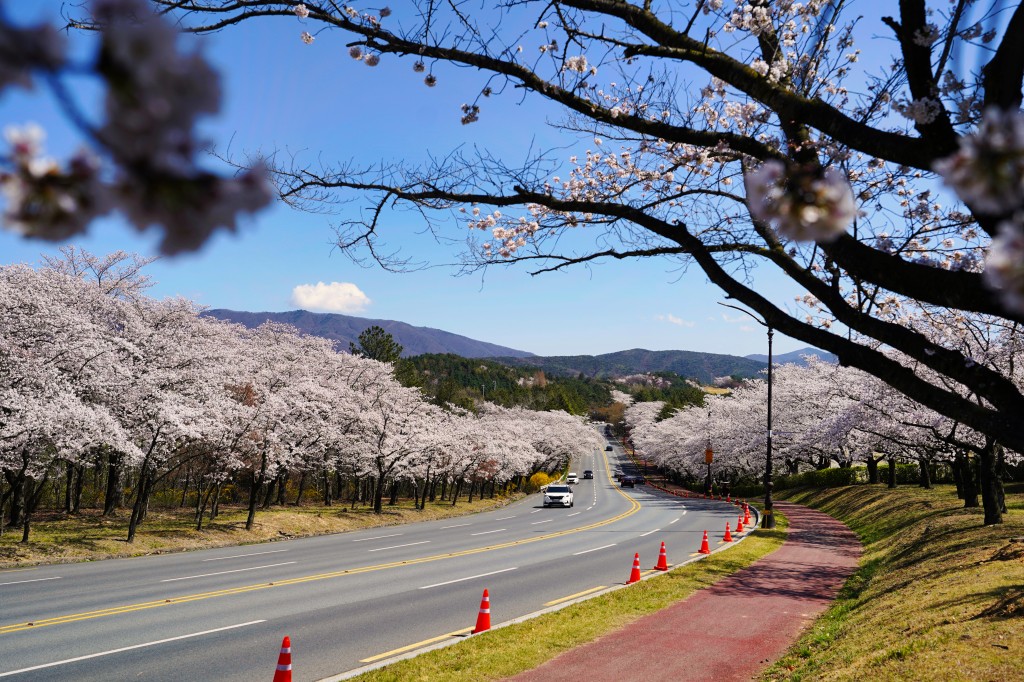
[
  {"x": 58, "y": 538},
  {"x": 510, "y": 650},
  {"x": 938, "y": 596}
]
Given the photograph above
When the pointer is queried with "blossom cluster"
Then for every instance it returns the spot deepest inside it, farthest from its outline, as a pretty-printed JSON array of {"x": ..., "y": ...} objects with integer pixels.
[
  {"x": 805, "y": 204},
  {"x": 154, "y": 98}
]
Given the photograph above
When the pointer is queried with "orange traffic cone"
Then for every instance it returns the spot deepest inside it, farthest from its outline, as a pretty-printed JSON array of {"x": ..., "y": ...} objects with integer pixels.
[
  {"x": 634, "y": 575},
  {"x": 704, "y": 549},
  {"x": 739, "y": 525},
  {"x": 483, "y": 619},
  {"x": 284, "y": 662},
  {"x": 662, "y": 564},
  {"x": 728, "y": 535},
  {"x": 746, "y": 514},
  {"x": 728, "y": 498}
]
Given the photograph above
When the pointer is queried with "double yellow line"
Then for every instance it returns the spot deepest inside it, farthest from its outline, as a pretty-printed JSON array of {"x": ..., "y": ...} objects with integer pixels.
[{"x": 129, "y": 608}]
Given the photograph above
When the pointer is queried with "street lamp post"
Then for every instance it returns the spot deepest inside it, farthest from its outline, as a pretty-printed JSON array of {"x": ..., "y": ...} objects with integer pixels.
[{"x": 769, "y": 516}]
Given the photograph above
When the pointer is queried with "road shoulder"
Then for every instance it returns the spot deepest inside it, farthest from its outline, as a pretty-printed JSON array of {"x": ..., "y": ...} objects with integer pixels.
[{"x": 735, "y": 628}]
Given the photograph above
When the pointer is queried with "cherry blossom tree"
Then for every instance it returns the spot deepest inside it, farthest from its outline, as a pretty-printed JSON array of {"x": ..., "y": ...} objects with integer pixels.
[{"x": 737, "y": 137}]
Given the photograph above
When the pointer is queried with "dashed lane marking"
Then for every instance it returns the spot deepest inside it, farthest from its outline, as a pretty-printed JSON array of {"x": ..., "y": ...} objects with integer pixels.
[
  {"x": 237, "y": 570},
  {"x": 470, "y": 577}
]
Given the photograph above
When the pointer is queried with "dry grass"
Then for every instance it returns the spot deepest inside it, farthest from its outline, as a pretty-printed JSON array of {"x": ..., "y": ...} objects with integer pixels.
[
  {"x": 938, "y": 595},
  {"x": 91, "y": 537},
  {"x": 510, "y": 650}
]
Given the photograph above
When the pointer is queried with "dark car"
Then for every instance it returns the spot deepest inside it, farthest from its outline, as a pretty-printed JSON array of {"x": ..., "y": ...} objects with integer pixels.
[
  {"x": 608, "y": 448},
  {"x": 588, "y": 474},
  {"x": 627, "y": 482}
]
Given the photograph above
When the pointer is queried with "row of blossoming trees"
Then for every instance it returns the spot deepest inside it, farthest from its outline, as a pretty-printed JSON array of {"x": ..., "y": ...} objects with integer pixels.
[
  {"x": 97, "y": 377},
  {"x": 823, "y": 416}
]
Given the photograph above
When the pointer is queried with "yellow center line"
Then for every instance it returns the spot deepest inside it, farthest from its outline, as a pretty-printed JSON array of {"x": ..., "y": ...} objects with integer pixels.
[
  {"x": 574, "y": 596},
  {"x": 417, "y": 645},
  {"x": 129, "y": 608}
]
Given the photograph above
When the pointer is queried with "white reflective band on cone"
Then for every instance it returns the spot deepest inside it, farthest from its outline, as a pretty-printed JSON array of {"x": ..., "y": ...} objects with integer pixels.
[{"x": 284, "y": 667}]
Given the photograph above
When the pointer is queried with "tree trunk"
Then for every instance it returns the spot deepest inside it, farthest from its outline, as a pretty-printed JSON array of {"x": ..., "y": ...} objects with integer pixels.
[
  {"x": 472, "y": 484},
  {"x": 328, "y": 500},
  {"x": 254, "y": 492},
  {"x": 988, "y": 470},
  {"x": 269, "y": 493},
  {"x": 378, "y": 493},
  {"x": 872, "y": 469},
  {"x": 926, "y": 481},
  {"x": 394, "y": 493},
  {"x": 456, "y": 492},
  {"x": 70, "y": 469},
  {"x": 141, "y": 502},
  {"x": 215, "y": 507},
  {"x": 969, "y": 474},
  {"x": 282, "y": 489},
  {"x": 957, "y": 468},
  {"x": 302, "y": 489},
  {"x": 892, "y": 472},
  {"x": 114, "y": 496}
]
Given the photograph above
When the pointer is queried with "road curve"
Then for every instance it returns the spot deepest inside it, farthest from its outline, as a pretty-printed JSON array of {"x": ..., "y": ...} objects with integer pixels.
[{"x": 344, "y": 599}]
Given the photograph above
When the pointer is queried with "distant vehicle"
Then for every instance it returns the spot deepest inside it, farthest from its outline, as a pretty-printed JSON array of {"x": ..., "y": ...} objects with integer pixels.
[
  {"x": 558, "y": 494},
  {"x": 572, "y": 478},
  {"x": 627, "y": 482},
  {"x": 619, "y": 476},
  {"x": 608, "y": 448},
  {"x": 588, "y": 474}
]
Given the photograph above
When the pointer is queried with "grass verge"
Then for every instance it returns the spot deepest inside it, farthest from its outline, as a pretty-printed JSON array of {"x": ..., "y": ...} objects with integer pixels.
[
  {"x": 938, "y": 596},
  {"x": 510, "y": 650},
  {"x": 60, "y": 538}
]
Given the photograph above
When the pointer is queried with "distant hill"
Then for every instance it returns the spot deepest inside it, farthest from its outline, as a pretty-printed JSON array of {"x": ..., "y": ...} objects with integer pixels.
[
  {"x": 703, "y": 367},
  {"x": 794, "y": 357},
  {"x": 343, "y": 329}
]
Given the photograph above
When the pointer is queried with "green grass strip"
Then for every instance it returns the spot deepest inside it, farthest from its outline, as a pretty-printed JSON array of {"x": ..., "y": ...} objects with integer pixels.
[
  {"x": 938, "y": 595},
  {"x": 510, "y": 650}
]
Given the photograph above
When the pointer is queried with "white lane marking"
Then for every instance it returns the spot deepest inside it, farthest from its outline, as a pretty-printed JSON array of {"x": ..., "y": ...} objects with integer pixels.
[
  {"x": 472, "y": 577},
  {"x": 129, "y": 648},
  {"x": 575, "y": 513},
  {"x": 378, "y": 537},
  {"x": 505, "y": 518},
  {"x": 594, "y": 550},
  {"x": 237, "y": 570},
  {"x": 488, "y": 532},
  {"x": 673, "y": 521},
  {"x": 544, "y": 521},
  {"x": 684, "y": 512},
  {"x": 589, "y": 508},
  {"x": 643, "y": 535},
  {"x": 239, "y": 556},
  {"x": 535, "y": 511},
  {"x": 457, "y": 525},
  {"x": 409, "y": 544},
  {"x": 34, "y": 580}
]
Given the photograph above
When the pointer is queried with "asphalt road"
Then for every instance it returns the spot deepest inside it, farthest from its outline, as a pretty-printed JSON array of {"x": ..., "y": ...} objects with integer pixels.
[{"x": 345, "y": 600}]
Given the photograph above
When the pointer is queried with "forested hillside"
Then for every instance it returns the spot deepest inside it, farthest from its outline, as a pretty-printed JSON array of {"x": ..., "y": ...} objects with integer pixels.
[
  {"x": 703, "y": 367},
  {"x": 466, "y": 382}
]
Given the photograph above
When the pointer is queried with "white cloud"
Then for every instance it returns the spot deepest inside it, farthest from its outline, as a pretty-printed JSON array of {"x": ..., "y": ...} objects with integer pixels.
[
  {"x": 336, "y": 297},
  {"x": 678, "y": 321}
]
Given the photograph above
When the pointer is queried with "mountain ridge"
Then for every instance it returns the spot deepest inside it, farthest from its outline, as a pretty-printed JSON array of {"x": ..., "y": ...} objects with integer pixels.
[{"x": 345, "y": 329}]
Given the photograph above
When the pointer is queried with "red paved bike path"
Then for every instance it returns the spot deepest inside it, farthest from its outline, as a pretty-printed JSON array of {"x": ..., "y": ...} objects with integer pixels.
[{"x": 733, "y": 629}]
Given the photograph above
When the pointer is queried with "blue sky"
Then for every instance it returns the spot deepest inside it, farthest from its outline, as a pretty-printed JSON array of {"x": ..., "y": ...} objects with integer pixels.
[{"x": 314, "y": 101}]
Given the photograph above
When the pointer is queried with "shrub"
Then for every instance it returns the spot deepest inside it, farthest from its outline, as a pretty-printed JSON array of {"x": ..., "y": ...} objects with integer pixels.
[{"x": 537, "y": 481}]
